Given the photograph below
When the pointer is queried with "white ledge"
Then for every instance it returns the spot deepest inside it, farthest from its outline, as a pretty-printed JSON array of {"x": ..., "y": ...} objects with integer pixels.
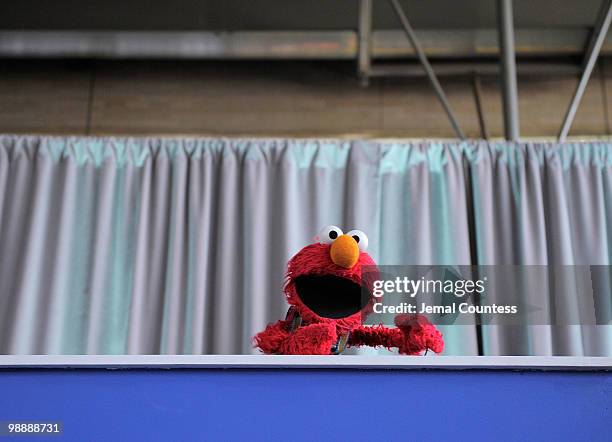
[{"x": 344, "y": 361}]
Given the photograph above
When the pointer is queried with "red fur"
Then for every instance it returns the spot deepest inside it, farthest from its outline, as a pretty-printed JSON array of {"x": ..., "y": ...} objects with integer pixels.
[
  {"x": 418, "y": 335},
  {"x": 273, "y": 337},
  {"x": 413, "y": 335},
  {"x": 375, "y": 336},
  {"x": 312, "y": 339},
  {"x": 315, "y": 260}
]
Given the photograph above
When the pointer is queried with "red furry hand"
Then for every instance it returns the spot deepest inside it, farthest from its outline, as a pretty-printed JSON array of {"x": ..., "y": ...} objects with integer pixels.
[
  {"x": 417, "y": 335},
  {"x": 313, "y": 339}
]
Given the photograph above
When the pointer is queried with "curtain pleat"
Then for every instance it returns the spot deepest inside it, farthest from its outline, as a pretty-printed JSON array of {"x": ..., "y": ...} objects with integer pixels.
[{"x": 179, "y": 246}]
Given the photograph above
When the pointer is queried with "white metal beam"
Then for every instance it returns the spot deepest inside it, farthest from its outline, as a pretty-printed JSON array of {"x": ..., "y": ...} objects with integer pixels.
[{"x": 341, "y": 361}]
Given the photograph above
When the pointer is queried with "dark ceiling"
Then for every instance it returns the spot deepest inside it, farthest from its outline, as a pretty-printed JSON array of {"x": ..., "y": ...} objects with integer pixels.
[{"x": 281, "y": 14}]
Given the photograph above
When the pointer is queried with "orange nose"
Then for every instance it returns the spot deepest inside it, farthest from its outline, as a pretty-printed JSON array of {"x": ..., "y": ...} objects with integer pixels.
[{"x": 344, "y": 251}]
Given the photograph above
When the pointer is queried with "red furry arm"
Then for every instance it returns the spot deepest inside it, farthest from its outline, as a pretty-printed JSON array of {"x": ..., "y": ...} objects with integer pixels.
[
  {"x": 312, "y": 339},
  {"x": 414, "y": 334},
  {"x": 273, "y": 337},
  {"x": 374, "y": 336}
]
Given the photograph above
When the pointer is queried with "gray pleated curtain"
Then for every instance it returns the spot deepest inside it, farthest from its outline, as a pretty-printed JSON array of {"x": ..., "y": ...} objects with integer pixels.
[{"x": 178, "y": 246}]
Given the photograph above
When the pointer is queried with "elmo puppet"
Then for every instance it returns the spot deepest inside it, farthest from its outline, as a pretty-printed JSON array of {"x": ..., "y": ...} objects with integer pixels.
[{"x": 324, "y": 289}]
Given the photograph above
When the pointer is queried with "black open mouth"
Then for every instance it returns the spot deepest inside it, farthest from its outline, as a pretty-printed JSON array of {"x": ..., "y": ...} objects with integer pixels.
[{"x": 330, "y": 296}]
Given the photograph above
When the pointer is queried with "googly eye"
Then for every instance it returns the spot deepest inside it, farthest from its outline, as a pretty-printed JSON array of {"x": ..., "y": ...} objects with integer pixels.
[
  {"x": 361, "y": 238},
  {"x": 328, "y": 234}
]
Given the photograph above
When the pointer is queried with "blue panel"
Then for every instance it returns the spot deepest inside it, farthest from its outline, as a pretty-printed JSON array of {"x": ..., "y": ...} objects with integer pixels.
[{"x": 312, "y": 404}]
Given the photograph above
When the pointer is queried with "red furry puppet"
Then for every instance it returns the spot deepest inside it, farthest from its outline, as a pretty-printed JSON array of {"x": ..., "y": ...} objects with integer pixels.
[{"x": 324, "y": 289}]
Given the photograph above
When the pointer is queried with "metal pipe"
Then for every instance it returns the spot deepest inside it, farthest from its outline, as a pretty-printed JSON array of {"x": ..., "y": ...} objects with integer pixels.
[
  {"x": 365, "y": 40},
  {"x": 508, "y": 70},
  {"x": 458, "y": 44},
  {"x": 427, "y": 67},
  {"x": 466, "y": 68},
  {"x": 597, "y": 39},
  {"x": 234, "y": 45}
]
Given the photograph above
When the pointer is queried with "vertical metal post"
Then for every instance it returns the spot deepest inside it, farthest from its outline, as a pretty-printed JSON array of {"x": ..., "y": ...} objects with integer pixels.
[
  {"x": 508, "y": 69},
  {"x": 427, "y": 67},
  {"x": 597, "y": 39},
  {"x": 365, "y": 40}
]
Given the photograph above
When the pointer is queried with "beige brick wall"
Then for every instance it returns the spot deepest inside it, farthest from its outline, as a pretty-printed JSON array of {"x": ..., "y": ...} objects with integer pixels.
[{"x": 273, "y": 99}]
